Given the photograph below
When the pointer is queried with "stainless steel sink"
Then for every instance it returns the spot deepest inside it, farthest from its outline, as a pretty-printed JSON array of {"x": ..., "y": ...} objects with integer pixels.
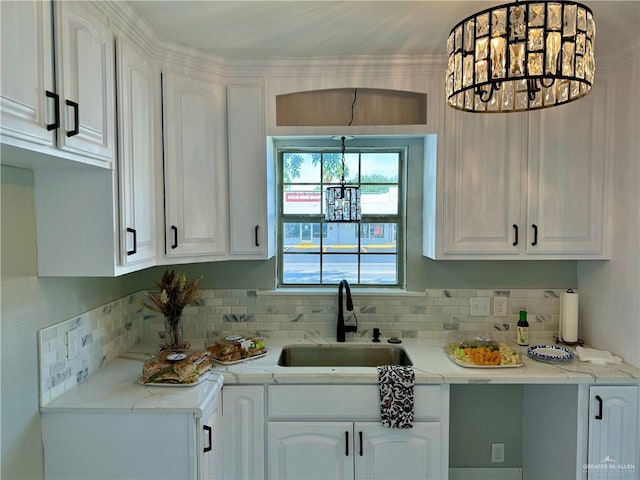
[{"x": 343, "y": 356}]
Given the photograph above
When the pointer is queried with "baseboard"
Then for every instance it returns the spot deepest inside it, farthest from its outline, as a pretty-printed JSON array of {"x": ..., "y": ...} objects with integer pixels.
[{"x": 485, "y": 474}]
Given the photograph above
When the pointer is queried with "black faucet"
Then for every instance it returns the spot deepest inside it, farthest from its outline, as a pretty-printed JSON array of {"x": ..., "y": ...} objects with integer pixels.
[{"x": 342, "y": 328}]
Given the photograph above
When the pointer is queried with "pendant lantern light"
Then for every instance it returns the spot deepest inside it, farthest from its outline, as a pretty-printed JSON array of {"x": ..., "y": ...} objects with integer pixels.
[{"x": 342, "y": 203}]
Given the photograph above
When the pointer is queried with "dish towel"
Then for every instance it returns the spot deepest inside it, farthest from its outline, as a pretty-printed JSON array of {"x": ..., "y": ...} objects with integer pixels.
[
  {"x": 396, "y": 395},
  {"x": 598, "y": 357}
]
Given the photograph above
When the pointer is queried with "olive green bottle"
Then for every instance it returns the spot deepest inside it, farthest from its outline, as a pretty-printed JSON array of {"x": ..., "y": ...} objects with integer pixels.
[{"x": 522, "y": 329}]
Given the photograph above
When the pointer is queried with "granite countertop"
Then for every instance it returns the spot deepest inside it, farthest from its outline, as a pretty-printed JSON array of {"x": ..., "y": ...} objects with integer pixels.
[
  {"x": 115, "y": 388},
  {"x": 431, "y": 365}
]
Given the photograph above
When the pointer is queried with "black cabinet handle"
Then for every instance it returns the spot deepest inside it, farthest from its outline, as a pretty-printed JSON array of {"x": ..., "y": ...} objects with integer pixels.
[
  {"x": 346, "y": 443},
  {"x": 56, "y": 110},
  {"x": 599, "y": 415},
  {"x": 207, "y": 429},
  {"x": 135, "y": 241},
  {"x": 515, "y": 231},
  {"x": 360, "y": 435},
  {"x": 175, "y": 236},
  {"x": 535, "y": 235},
  {"x": 256, "y": 235},
  {"x": 76, "y": 119}
]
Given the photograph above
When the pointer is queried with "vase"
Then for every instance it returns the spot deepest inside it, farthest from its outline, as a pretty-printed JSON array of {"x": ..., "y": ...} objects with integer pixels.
[{"x": 173, "y": 338}]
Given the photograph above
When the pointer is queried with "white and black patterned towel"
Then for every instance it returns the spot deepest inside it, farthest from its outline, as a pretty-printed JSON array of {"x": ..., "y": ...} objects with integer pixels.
[{"x": 396, "y": 395}]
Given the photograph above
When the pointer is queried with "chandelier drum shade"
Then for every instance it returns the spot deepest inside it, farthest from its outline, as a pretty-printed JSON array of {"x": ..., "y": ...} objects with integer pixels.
[{"x": 521, "y": 56}]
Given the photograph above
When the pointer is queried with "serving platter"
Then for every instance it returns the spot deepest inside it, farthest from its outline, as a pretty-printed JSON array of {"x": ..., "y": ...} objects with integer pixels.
[
  {"x": 473, "y": 365},
  {"x": 242, "y": 360},
  {"x": 200, "y": 379},
  {"x": 550, "y": 353},
  {"x": 451, "y": 349}
]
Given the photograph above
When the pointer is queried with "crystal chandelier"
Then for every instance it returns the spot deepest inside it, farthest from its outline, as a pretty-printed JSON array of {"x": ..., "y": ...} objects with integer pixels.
[
  {"x": 342, "y": 203},
  {"x": 521, "y": 56}
]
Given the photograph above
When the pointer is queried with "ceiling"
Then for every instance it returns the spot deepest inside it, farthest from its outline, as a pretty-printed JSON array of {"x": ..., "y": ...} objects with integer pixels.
[{"x": 245, "y": 29}]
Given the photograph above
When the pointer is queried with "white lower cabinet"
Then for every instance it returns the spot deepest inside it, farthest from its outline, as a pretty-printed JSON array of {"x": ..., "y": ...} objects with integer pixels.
[
  {"x": 360, "y": 450},
  {"x": 385, "y": 453},
  {"x": 243, "y": 425},
  {"x": 210, "y": 446},
  {"x": 334, "y": 431},
  {"x": 121, "y": 445},
  {"x": 613, "y": 433},
  {"x": 310, "y": 450},
  {"x": 583, "y": 431}
]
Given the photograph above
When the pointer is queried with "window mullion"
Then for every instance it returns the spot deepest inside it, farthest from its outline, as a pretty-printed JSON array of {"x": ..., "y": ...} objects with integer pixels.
[{"x": 366, "y": 263}]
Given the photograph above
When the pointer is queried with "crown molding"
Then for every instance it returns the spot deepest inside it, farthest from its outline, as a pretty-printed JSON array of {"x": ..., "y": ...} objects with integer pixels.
[{"x": 352, "y": 64}]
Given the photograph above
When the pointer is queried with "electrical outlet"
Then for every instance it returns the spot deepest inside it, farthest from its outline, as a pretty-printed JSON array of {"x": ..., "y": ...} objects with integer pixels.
[
  {"x": 74, "y": 343},
  {"x": 500, "y": 306},
  {"x": 497, "y": 453},
  {"x": 480, "y": 306}
]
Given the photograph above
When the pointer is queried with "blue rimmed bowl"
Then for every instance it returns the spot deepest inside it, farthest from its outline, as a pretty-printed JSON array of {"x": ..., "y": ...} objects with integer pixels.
[{"x": 550, "y": 353}]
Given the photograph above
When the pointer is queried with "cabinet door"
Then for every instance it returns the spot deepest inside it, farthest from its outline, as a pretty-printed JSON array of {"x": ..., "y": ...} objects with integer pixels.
[
  {"x": 310, "y": 450},
  {"x": 567, "y": 178},
  {"x": 613, "y": 433},
  {"x": 384, "y": 453},
  {"x": 27, "y": 73},
  {"x": 243, "y": 424},
  {"x": 211, "y": 447},
  {"x": 485, "y": 155},
  {"x": 85, "y": 73},
  {"x": 195, "y": 172},
  {"x": 92, "y": 445},
  {"x": 251, "y": 178},
  {"x": 136, "y": 154}
]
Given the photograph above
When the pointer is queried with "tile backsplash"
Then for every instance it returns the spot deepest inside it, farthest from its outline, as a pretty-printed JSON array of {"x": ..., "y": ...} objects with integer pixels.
[
  {"x": 72, "y": 350},
  {"x": 431, "y": 314}
]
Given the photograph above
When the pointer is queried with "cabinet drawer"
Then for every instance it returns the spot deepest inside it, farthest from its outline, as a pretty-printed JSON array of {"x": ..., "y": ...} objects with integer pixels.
[{"x": 349, "y": 402}]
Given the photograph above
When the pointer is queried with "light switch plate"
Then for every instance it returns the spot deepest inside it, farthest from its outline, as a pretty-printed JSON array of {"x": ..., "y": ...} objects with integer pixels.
[{"x": 480, "y": 306}]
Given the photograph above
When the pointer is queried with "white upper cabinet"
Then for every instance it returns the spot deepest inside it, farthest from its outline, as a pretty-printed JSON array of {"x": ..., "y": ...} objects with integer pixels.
[
  {"x": 99, "y": 221},
  {"x": 521, "y": 186},
  {"x": 74, "y": 120},
  {"x": 568, "y": 161},
  {"x": 27, "y": 98},
  {"x": 195, "y": 168},
  {"x": 136, "y": 82},
  {"x": 483, "y": 168},
  {"x": 251, "y": 175},
  {"x": 85, "y": 74}
]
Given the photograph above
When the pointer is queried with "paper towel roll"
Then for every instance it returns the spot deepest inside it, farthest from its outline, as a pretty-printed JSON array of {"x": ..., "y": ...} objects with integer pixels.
[{"x": 569, "y": 316}]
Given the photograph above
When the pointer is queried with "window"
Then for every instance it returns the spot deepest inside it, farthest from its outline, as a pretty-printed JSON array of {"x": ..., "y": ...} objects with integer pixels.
[{"x": 313, "y": 252}]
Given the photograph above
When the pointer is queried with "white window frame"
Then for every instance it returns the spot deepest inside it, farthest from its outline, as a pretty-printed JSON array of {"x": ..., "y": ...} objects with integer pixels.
[{"x": 313, "y": 146}]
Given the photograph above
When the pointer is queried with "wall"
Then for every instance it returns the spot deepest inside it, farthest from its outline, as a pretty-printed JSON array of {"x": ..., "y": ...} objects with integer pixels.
[
  {"x": 482, "y": 415},
  {"x": 28, "y": 304},
  {"x": 610, "y": 291}
]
